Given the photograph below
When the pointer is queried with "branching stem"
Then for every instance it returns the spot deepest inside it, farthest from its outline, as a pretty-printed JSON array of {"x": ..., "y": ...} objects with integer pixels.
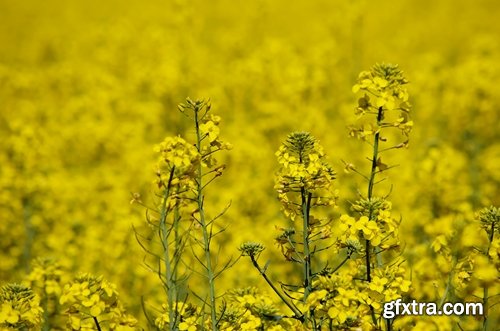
[{"x": 296, "y": 311}]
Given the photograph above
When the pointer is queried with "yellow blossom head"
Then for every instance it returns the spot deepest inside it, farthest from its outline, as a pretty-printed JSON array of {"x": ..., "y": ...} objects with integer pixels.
[{"x": 19, "y": 307}]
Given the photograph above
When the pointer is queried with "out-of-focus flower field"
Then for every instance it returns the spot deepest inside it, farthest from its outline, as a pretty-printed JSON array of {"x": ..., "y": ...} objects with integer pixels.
[{"x": 99, "y": 165}]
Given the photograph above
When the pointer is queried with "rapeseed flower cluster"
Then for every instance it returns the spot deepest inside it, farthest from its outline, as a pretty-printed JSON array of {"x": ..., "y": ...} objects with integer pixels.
[
  {"x": 176, "y": 164},
  {"x": 386, "y": 97},
  {"x": 92, "y": 302},
  {"x": 46, "y": 276},
  {"x": 19, "y": 308},
  {"x": 303, "y": 168}
]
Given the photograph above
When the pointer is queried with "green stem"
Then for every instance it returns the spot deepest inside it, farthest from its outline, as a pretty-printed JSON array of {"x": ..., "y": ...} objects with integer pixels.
[
  {"x": 306, "y": 202},
  {"x": 177, "y": 249},
  {"x": 376, "y": 140},
  {"x": 298, "y": 314},
  {"x": 166, "y": 254},
  {"x": 204, "y": 228},
  {"x": 371, "y": 183},
  {"x": 341, "y": 264}
]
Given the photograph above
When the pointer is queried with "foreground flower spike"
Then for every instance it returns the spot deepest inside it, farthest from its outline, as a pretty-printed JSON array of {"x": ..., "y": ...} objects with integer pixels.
[
  {"x": 304, "y": 181},
  {"x": 183, "y": 231},
  {"x": 19, "y": 308},
  {"x": 207, "y": 144},
  {"x": 384, "y": 123}
]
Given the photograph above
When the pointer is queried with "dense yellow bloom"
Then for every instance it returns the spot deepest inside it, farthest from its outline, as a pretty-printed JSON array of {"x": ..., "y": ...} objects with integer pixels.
[
  {"x": 303, "y": 167},
  {"x": 90, "y": 300},
  {"x": 177, "y": 163},
  {"x": 19, "y": 308},
  {"x": 46, "y": 276},
  {"x": 211, "y": 130}
]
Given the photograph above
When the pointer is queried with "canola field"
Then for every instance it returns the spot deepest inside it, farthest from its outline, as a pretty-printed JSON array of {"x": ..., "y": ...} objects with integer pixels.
[{"x": 249, "y": 165}]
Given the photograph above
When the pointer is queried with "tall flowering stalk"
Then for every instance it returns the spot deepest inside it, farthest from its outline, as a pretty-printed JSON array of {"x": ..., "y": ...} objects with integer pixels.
[
  {"x": 207, "y": 144},
  {"x": 304, "y": 183},
  {"x": 382, "y": 108},
  {"x": 183, "y": 172},
  {"x": 385, "y": 100},
  {"x": 176, "y": 168}
]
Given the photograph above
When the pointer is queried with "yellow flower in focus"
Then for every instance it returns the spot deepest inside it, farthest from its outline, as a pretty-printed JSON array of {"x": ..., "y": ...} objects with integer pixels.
[
  {"x": 19, "y": 307},
  {"x": 211, "y": 130}
]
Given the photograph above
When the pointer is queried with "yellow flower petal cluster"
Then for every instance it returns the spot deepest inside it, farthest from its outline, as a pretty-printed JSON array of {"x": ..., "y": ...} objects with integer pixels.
[
  {"x": 90, "y": 300},
  {"x": 386, "y": 97},
  {"x": 303, "y": 167},
  {"x": 46, "y": 275},
  {"x": 382, "y": 232},
  {"x": 384, "y": 82},
  {"x": 19, "y": 308},
  {"x": 177, "y": 163}
]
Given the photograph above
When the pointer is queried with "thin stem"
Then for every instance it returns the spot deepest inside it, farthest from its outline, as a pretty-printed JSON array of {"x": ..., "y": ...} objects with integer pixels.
[
  {"x": 166, "y": 254},
  {"x": 206, "y": 236},
  {"x": 371, "y": 182},
  {"x": 367, "y": 260},
  {"x": 296, "y": 311},
  {"x": 341, "y": 264},
  {"x": 375, "y": 155},
  {"x": 97, "y": 323},
  {"x": 177, "y": 249},
  {"x": 306, "y": 201}
]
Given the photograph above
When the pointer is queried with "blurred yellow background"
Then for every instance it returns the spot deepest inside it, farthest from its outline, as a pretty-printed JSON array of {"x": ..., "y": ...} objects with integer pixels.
[{"x": 87, "y": 88}]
